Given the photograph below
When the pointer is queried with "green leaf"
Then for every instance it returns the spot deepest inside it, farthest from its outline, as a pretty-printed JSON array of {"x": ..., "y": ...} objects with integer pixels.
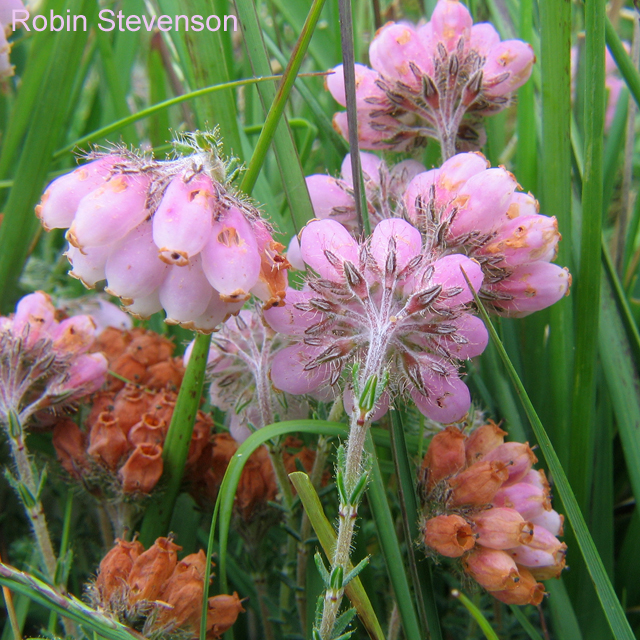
[
  {"x": 624, "y": 62},
  {"x": 66, "y": 606},
  {"x": 483, "y": 623}
]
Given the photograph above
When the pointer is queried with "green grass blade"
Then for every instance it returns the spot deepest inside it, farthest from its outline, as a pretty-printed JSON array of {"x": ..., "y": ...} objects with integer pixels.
[
  {"x": 423, "y": 588},
  {"x": 20, "y": 224},
  {"x": 277, "y": 106},
  {"x": 377, "y": 498},
  {"x": 587, "y": 287},
  {"x": 610, "y": 604},
  {"x": 524, "y": 622},
  {"x": 66, "y": 606},
  {"x": 483, "y": 623},
  {"x": 563, "y": 616},
  {"x": 176, "y": 445},
  {"x": 327, "y": 537},
  {"x": 286, "y": 153},
  {"x": 555, "y": 44}
]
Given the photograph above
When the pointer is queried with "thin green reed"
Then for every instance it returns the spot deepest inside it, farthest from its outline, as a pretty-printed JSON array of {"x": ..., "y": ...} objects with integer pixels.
[
  {"x": 555, "y": 18},
  {"x": 587, "y": 289}
]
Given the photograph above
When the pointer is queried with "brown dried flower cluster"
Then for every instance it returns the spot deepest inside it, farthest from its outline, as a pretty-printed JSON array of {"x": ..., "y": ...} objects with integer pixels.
[
  {"x": 258, "y": 485},
  {"x": 155, "y": 594},
  {"x": 486, "y": 505},
  {"x": 140, "y": 356}
]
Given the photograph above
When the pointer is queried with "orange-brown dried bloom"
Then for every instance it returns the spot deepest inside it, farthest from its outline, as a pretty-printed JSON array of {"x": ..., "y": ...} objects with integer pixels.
[
  {"x": 445, "y": 456},
  {"x": 222, "y": 614},
  {"x": 114, "y": 570},
  {"x": 107, "y": 443},
  {"x": 152, "y": 569},
  {"x": 142, "y": 470},
  {"x": 450, "y": 536}
]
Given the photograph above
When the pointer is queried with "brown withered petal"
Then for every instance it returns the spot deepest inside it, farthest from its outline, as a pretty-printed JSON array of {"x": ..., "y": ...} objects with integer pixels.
[
  {"x": 129, "y": 405},
  {"x": 445, "y": 456},
  {"x": 526, "y": 591},
  {"x": 69, "y": 443},
  {"x": 152, "y": 569},
  {"x": 150, "y": 348},
  {"x": 115, "y": 568},
  {"x": 200, "y": 438},
  {"x": 163, "y": 404},
  {"x": 168, "y": 373},
  {"x": 492, "y": 569},
  {"x": 112, "y": 342},
  {"x": 100, "y": 401},
  {"x": 478, "y": 484},
  {"x": 222, "y": 614},
  {"x": 107, "y": 443},
  {"x": 126, "y": 366},
  {"x": 482, "y": 440},
  {"x": 502, "y": 528},
  {"x": 183, "y": 591},
  {"x": 450, "y": 536},
  {"x": 142, "y": 470},
  {"x": 150, "y": 430}
]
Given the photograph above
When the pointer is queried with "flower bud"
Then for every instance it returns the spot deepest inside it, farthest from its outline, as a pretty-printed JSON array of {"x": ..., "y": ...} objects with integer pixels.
[
  {"x": 482, "y": 440},
  {"x": 222, "y": 613},
  {"x": 34, "y": 317},
  {"x": 502, "y": 528},
  {"x": 152, "y": 569},
  {"x": 526, "y": 591},
  {"x": 185, "y": 292},
  {"x": 142, "y": 470},
  {"x": 88, "y": 266},
  {"x": 115, "y": 569},
  {"x": 75, "y": 334},
  {"x": 445, "y": 456},
  {"x": 478, "y": 484},
  {"x": 450, "y": 536},
  {"x": 85, "y": 376},
  {"x": 107, "y": 443},
  {"x": 508, "y": 67},
  {"x": 492, "y": 569}
]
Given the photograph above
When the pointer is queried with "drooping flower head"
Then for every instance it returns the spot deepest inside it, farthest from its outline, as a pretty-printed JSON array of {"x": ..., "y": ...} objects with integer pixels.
[
  {"x": 433, "y": 81},
  {"x": 169, "y": 235},
  {"x": 44, "y": 363},
  {"x": 486, "y": 505},
  {"x": 466, "y": 207},
  {"x": 387, "y": 305}
]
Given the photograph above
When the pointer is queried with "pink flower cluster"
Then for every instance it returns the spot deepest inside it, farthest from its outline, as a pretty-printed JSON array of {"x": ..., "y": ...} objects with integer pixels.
[
  {"x": 463, "y": 207},
  {"x": 166, "y": 235},
  {"x": 487, "y": 506},
  {"x": 426, "y": 79},
  {"x": 45, "y": 363},
  {"x": 387, "y": 305},
  {"x": 466, "y": 207}
]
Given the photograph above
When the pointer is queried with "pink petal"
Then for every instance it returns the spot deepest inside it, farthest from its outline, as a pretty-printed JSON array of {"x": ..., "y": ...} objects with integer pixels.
[
  {"x": 88, "y": 267},
  {"x": 448, "y": 273},
  {"x": 472, "y": 329},
  {"x": 182, "y": 223},
  {"x": 144, "y": 308},
  {"x": 133, "y": 268},
  {"x": 365, "y": 85},
  {"x": 294, "y": 254},
  {"x": 370, "y": 164},
  {"x": 451, "y": 21},
  {"x": 393, "y": 48},
  {"x": 330, "y": 199},
  {"x": 408, "y": 242},
  {"x": 288, "y": 373},
  {"x": 185, "y": 292},
  {"x": 320, "y": 236},
  {"x": 230, "y": 259},
  {"x": 484, "y": 38},
  {"x": 62, "y": 197},
  {"x": 513, "y": 58},
  {"x": 289, "y": 320},
  {"x": 215, "y": 314}
]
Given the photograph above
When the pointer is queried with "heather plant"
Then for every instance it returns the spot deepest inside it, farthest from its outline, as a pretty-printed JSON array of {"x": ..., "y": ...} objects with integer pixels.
[{"x": 407, "y": 424}]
